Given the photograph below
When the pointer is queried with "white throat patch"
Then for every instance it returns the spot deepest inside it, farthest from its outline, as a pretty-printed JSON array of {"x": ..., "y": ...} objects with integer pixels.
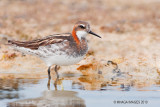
[{"x": 81, "y": 34}]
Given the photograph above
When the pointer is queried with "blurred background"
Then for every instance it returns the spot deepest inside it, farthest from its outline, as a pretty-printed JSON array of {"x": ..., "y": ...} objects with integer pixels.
[{"x": 130, "y": 33}]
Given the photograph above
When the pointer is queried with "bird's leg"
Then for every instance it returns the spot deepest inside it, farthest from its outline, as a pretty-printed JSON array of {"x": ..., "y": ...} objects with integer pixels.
[
  {"x": 49, "y": 75},
  {"x": 55, "y": 83},
  {"x": 49, "y": 78},
  {"x": 56, "y": 71},
  {"x": 48, "y": 85}
]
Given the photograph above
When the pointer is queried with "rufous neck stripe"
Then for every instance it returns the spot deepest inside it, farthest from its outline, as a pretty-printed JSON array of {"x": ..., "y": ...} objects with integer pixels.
[{"x": 75, "y": 36}]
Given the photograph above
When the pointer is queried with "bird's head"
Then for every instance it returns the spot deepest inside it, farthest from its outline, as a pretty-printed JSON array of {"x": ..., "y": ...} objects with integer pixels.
[{"x": 82, "y": 29}]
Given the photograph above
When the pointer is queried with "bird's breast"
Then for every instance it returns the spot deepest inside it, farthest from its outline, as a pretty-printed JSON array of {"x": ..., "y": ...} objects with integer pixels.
[{"x": 62, "y": 60}]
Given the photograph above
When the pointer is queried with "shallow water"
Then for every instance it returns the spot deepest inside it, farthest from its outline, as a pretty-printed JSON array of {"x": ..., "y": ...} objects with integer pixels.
[{"x": 35, "y": 92}]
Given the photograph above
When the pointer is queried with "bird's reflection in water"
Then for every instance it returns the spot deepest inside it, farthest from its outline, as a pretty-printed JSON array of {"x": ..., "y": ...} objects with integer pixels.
[
  {"x": 55, "y": 83},
  {"x": 52, "y": 98}
]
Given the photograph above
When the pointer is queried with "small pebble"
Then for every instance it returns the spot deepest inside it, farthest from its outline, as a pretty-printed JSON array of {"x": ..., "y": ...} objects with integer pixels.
[{"x": 99, "y": 72}]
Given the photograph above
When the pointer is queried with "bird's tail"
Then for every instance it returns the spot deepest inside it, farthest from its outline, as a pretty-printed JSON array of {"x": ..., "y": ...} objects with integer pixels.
[{"x": 18, "y": 46}]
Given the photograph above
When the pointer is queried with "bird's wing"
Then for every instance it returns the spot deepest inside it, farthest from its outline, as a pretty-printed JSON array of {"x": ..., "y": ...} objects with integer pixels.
[{"x": 35, "y": 44}]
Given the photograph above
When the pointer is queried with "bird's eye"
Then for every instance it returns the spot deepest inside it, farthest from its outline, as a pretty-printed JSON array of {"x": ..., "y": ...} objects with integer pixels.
[{"x": 81, "y": 26}]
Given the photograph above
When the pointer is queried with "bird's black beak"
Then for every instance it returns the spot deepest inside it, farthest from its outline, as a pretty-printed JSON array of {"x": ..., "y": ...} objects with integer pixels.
[{"x": 94, "y": 34}]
